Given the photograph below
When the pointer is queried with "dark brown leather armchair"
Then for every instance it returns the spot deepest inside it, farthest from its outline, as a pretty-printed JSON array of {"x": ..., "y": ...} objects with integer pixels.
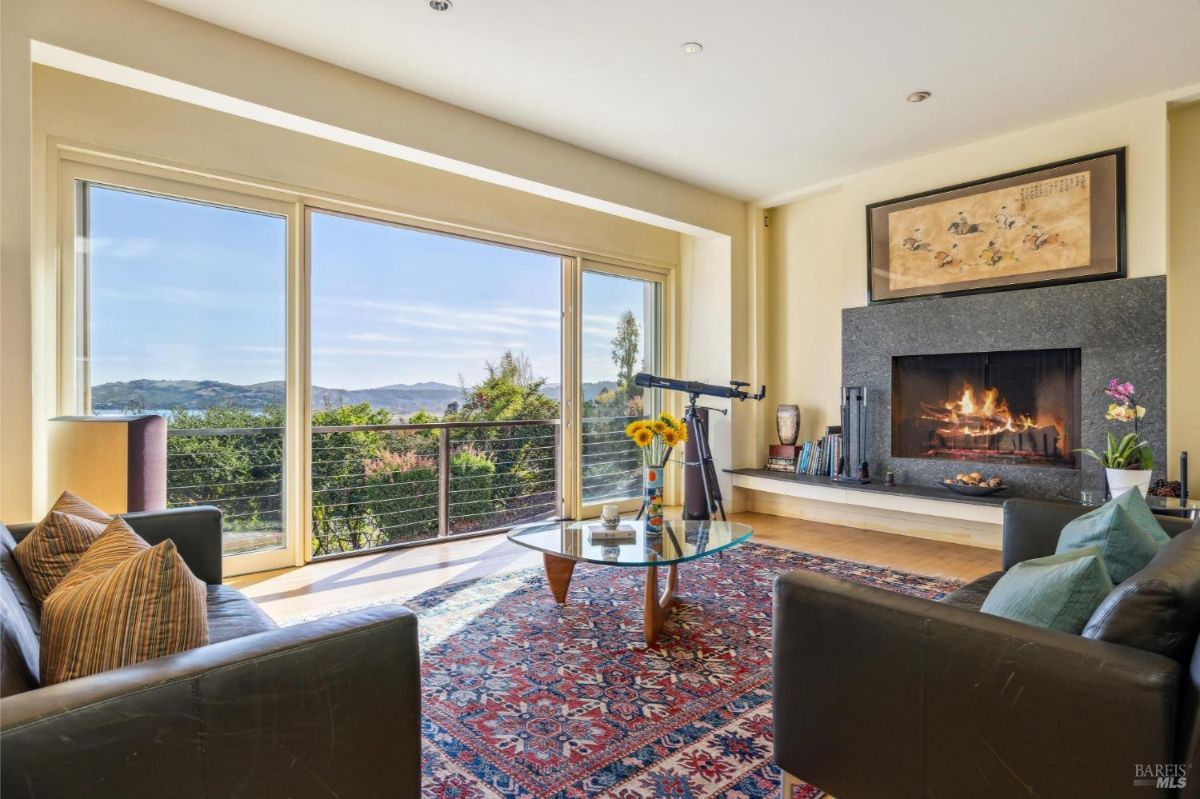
[
  {"x": 324, "y": 708},
  {"x": 883, "y": 695}
]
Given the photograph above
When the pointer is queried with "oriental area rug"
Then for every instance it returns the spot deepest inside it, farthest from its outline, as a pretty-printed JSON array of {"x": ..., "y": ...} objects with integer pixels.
[{"x": 526, "y": 698}]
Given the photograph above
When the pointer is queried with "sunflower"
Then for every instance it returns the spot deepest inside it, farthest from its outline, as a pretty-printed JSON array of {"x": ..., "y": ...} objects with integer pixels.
[
  {"x": 634, "y": 426},
  {"x": 668, "y": 419},
  {"x": 658, "y": 426},
  {"x": 670, "y": 437},
  {"x": 681, "y": 432},
  {"x": 643, "y": 436}
]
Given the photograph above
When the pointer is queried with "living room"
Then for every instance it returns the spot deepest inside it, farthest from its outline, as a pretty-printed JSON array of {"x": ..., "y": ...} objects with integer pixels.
[{"x": 402, "y": 399}]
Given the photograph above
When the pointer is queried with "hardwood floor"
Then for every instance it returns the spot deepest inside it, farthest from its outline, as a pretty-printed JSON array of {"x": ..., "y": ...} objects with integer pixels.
[{"x": 330, "y": 586}]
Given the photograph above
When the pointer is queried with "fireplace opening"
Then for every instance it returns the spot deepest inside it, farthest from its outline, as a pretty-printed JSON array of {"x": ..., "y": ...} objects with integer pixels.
[{"x": 1015, "y": 407}]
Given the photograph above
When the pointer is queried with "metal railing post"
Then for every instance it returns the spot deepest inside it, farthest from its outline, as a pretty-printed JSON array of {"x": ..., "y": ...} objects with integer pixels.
[
  {"x": 443, "y": 481},
  {"x": 558, "y": 469}
]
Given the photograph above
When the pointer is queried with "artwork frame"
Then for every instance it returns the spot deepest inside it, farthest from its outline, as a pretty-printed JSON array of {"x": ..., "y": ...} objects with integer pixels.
[{"x": 1080, "y": 201}]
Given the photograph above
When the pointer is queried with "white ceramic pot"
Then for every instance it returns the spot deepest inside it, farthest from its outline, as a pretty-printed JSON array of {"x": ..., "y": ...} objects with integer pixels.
[{"x": 1121, "y": 480}]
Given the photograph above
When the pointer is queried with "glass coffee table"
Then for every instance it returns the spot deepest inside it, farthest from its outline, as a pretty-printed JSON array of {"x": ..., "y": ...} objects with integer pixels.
[{"x": 563, "y": 544}]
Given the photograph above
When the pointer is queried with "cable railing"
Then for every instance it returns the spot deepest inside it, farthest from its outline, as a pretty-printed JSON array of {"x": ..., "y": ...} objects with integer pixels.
[
  {"x": 382, "y": 485},
  {"x": 373, "y": 486},
  {"x": 612, "y": 464},
  {"x": 240, "y": 471}
]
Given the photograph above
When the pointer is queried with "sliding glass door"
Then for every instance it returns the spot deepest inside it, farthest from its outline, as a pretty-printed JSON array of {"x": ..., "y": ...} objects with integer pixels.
[
  {"x": 620, "y": 335},
  {"x": 436, "y": 380}
]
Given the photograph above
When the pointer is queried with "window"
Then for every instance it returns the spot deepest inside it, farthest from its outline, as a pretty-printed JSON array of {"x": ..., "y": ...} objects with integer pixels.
[
  {"x": 391, "y": 386},
  {"x": 435, "y": 384},
  {"x": 185, "y": 308}
]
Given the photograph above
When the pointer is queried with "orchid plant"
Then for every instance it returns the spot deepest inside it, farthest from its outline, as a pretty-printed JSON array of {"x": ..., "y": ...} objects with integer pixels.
[{"x": 1130, "y": 451}]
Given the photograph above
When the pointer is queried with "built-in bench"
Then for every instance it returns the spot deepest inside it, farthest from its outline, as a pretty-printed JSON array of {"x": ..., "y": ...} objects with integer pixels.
[{"x": 921, "y": 511}]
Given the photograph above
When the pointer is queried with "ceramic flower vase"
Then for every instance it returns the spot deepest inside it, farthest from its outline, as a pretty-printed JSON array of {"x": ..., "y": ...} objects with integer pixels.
[
  {"x": 1121, "y": 480},
  {"x": 787, "y": 424},
  {"x": 652, "y": 494}
]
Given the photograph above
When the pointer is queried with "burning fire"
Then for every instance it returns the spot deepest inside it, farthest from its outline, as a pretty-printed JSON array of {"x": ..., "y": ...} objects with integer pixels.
[{"x": 972, "y": 416}]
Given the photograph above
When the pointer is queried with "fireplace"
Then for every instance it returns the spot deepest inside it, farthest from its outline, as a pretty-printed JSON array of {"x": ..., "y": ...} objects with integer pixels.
[{"x": 1017, "y": 407}]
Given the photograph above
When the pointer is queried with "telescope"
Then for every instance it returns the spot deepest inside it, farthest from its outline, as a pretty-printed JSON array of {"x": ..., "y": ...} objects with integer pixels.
[
  {"x": 735, "y": 390},
  {"x": 702, "y": 466}
]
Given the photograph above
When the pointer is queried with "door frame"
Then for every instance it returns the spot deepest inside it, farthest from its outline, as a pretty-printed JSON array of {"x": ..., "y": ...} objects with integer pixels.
[{"x": 578, "y": 508}]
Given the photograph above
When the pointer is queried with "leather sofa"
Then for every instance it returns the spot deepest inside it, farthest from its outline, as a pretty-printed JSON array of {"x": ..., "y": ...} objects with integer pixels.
[
  {"x": 877, "y": 694},
  {"x": 322, "y": 708}
]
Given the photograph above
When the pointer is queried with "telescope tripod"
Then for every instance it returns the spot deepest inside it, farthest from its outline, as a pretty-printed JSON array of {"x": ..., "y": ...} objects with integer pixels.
[{"x": 698, "y": 430}]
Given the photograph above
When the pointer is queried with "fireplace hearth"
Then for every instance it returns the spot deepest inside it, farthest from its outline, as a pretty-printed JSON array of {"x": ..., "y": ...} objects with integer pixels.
[{"x": 1018, "y": 407}]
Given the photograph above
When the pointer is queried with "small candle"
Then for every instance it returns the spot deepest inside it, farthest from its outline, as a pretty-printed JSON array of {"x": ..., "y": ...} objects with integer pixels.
[{"x": 610, "y": 515}]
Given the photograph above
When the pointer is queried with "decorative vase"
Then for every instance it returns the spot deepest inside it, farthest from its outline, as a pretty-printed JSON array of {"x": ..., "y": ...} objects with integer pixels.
[
  {"x": 1121, "y": 480},
  {"x": 652, "y": 493},
  {"x": 787, "y": 423}
]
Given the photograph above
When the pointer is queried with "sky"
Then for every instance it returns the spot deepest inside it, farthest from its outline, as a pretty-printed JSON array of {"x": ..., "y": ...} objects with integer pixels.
[{"x": 182, "y": 290}]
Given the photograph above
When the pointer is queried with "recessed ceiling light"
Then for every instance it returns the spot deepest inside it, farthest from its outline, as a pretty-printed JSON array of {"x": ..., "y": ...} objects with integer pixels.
[
  {"x": 440, "y": 5},
  {"x": 919, "y": 97},
  {"x": 691, "y": 48}
]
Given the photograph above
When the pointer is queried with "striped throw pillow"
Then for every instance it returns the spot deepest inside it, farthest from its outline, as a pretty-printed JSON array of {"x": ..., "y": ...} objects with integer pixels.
[
  {"x": 57, "y": 543},
  {"x": 146, "y": 606},
  {"x": 117, "y": 544}
]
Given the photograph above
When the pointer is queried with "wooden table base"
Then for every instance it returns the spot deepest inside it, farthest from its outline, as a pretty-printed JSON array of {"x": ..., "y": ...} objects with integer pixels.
[
  {"x": 559, "y": 571},
  {"x": 657, "y": 607}
]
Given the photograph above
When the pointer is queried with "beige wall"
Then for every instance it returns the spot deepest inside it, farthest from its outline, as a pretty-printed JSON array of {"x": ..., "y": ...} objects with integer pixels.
[
  {"x": 1183, "y": 294},
  {"x": 817, "y": 263},
  {"x": 74, "y": 111},
  {"x": 207, "y": 61},
  {"x": 807, "y": 249}
]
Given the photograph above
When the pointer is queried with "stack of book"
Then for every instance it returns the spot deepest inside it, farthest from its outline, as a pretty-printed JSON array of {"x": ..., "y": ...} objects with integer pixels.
[
  {"x": 820, "y": 457},
  {"x": 783, "y": 457}
]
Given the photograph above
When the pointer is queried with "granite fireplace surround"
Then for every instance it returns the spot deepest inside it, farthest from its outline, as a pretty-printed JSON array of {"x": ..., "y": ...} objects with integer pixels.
[{"x": 1119, "y": 326}]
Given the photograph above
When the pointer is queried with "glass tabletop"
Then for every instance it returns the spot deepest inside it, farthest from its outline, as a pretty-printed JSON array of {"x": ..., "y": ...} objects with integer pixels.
[
  {"x": 679, "y": 541},
  {"x": 1168, "y": 506}
]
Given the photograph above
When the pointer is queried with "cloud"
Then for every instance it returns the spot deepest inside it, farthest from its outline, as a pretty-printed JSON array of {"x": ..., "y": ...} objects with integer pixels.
[
  {"x": 132, "y": 247},
  {"x": 478, "y": 318},
  {"x": 379, "y": 337},
  {"x": 252, "y": 348}
]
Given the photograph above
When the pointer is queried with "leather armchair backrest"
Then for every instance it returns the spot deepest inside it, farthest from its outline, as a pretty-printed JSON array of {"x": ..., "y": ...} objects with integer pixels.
[
  {"x": 19, "y": 624},
  {"x": 1157, "y": 608},
  {"x": 1032, "y": 527}
]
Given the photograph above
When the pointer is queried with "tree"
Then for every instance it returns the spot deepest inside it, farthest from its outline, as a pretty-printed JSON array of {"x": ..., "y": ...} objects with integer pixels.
[{"x": 625, "y": 345}]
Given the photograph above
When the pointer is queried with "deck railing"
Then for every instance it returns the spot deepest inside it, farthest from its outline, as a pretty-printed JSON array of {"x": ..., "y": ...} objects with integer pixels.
[
  {"x": 381, "y": 485},
  {"x": 372, "y": 485}
]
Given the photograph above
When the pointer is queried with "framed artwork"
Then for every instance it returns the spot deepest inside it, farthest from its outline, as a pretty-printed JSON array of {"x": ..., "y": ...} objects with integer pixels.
[{"x": 1058, "y": 223}]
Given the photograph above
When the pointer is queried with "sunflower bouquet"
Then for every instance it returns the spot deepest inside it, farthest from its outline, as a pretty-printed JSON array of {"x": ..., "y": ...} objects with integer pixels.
[{"x": 657, "y": 437}]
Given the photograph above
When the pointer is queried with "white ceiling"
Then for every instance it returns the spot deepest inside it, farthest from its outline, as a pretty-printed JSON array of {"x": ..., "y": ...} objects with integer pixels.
[{"x": 787, "y": 93}]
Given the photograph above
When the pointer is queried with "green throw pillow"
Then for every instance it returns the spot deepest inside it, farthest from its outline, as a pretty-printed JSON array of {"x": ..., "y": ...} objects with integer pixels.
[
  {"x": 1128, "y": 537},
  {"x": 1139, "y": 510},
  {"x": 1058, "y": 591}
]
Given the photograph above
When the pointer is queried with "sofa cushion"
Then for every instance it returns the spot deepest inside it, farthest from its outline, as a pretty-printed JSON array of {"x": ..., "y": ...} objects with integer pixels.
[
  {"x": 1158, "y": 608},
  {"x": 1127, "y": 539},
  {"x": 16, "y": 581},
  {"x": 971, "y": 595},
  {"x": 231, "y": 614},
  {"x": 18, "y": 637},
  {"x": 147, "y": 607},
  {"x": 1059, "y": 592},
  {"x": 58, "y": 542}
]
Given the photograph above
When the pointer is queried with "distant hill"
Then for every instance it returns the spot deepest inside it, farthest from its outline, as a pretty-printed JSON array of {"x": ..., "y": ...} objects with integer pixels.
[{"x": 193, "y": 395}]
